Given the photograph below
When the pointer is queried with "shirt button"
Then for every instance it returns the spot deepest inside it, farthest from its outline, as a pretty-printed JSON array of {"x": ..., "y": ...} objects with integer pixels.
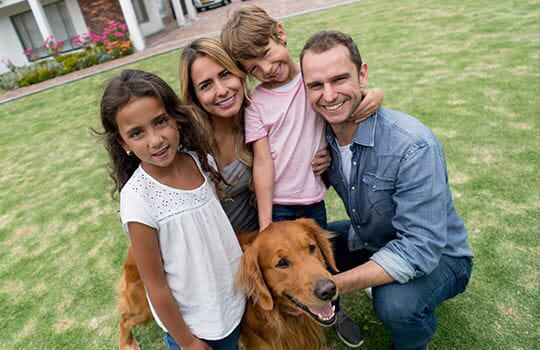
[
  {"x": 353, "y": 188},
  {"x": 354, "y": 162},
  {"x": 365, "y": 243},
  {"x": 357, "y": 226},
  {"x": 353, "y": 210}
]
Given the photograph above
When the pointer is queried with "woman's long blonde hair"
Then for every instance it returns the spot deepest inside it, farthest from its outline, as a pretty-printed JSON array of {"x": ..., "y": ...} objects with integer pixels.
[{"x": 213, "y": 49}]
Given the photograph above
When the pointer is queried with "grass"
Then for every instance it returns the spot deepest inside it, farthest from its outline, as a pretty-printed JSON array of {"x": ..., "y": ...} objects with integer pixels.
[{"x": 469, "y": 70}]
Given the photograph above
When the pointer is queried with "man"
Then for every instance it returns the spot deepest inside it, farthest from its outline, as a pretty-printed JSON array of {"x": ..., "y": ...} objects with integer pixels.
[{"x": 404, "y": 237}]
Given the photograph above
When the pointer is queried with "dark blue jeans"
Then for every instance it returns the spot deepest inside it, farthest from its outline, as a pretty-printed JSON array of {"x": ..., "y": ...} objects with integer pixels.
[
  {"x": 316, "y": 211},
  {"x": 407, "y": 310},
  {"x": 230, "y": 342}
]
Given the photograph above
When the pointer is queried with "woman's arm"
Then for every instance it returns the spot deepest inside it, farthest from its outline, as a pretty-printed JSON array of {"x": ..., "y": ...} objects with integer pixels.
[
  {"x": 144, "y": 241},
  {"x": 263, "y": 180},
  {"x": 321, "y": 161}
]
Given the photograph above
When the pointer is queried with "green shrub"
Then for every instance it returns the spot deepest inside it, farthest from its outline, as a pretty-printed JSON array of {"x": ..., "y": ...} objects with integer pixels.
[
  {"x": 8, "y": 81},
  {"x": 39, "y": 72}
]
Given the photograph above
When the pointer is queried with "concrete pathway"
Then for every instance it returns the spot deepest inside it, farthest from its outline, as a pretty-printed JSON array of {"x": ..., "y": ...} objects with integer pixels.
[{"x": 208, "y": 23}]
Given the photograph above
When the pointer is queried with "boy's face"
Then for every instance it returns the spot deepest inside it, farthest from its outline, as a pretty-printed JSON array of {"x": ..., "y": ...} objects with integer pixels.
[{"x": 274, "y": 66}]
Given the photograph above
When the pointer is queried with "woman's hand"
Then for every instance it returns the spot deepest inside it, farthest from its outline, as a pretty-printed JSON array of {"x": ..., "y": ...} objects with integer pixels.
[
  {"x": 371, "y": 101},
  {"x": 197, "y": 344},
  {"x": 321, "y": 161}
]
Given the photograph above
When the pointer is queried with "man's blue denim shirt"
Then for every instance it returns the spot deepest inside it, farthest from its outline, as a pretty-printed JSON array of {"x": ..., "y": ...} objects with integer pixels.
[{"x": 398, "y": 198}]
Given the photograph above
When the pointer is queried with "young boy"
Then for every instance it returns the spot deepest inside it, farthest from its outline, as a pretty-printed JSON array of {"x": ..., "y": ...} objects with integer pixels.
[{"x": 283, "y": 128}]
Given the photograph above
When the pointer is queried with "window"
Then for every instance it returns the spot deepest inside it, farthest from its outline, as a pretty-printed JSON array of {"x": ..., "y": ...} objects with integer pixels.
[
  {"x": 140, "y": 11},
  {"x": 30, "y": 36}
]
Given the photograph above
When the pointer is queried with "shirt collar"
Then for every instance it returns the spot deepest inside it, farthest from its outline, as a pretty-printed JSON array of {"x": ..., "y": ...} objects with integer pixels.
[
  {"x": 364, "y": 135},
  {"x": 365, "y": 132}
]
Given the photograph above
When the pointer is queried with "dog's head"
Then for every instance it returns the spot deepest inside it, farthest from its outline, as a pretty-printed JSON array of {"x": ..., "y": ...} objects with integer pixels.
[{"x": 286, "y": 267}]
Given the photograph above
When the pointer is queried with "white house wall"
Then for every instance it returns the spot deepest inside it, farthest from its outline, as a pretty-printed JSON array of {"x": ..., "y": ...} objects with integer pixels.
[
  {"x": 76, "y": 16},
  {"x": 10, "y": 45},
  {"x": 154, "y": 24}
]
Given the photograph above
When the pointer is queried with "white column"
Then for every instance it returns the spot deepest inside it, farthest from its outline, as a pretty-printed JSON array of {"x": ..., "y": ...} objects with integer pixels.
[
  {"x": 135, "y": 34},
  {"x": 180, "y": 19},
  {"x": 190, "y": 9},
  {"x": 41, "y": 19}
]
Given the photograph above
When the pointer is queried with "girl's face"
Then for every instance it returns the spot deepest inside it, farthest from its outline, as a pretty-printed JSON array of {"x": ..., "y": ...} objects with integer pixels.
[
  {"x": 219, "y": 91},
  {"x": 149, "y": 132}
]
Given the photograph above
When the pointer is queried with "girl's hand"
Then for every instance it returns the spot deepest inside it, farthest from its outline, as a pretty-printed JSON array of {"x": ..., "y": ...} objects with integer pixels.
[
  {"x": 321, "y": 161},
  {"x": 197, "y": 344},
  {"x": 372, "y": 100}
]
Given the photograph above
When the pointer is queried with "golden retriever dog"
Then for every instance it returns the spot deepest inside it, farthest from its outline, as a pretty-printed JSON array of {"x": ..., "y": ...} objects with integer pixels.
[
  {"x": 283, "y": 272},
  {"x": 290, "y": 292},
  {"x": 134, "y": 308}
]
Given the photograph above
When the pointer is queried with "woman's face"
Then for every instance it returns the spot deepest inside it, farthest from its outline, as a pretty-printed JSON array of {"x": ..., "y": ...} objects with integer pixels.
[{"x": 219, "y": 91}]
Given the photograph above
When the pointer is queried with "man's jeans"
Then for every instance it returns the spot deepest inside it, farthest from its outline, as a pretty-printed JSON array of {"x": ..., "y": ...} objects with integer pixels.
[
  {"x": 316, "y": 211},
  {"x": 407, "y": 310}
]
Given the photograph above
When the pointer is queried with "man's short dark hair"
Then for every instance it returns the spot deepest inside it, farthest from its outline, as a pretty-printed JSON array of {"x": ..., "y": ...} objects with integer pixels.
[{"x": 328, "y": 39}]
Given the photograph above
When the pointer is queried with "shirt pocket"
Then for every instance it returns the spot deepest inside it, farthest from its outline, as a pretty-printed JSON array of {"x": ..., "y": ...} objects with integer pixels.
[{"x": 379, "y": 193}]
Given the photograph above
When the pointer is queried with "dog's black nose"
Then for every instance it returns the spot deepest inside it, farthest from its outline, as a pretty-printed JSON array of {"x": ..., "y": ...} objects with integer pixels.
[{"x": 325, "y": 289}]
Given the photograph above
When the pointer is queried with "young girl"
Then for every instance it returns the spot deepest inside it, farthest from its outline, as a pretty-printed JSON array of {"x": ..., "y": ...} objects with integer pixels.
[
  {"x": 215, "y": 86},
  {"x": 184, "y": 246}
]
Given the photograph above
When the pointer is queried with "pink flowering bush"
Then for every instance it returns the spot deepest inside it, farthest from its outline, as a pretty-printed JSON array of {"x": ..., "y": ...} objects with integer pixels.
[
  {"x": 112, "y": 43},
  {"x": 53, "y": 46},
  {"x": 112, "y": 36}
]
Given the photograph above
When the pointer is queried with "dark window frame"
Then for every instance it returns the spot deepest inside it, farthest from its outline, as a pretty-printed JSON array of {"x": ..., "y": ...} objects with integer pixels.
[{"x": 41, "y": 54}]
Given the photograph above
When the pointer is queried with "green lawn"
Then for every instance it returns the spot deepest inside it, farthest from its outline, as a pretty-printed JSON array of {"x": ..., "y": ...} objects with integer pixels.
[{"x": 468, "y": 69}]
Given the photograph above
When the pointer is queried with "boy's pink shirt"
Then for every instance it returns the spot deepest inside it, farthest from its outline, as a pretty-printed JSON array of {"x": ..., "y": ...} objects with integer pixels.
[{"x": 295, "y": 133}]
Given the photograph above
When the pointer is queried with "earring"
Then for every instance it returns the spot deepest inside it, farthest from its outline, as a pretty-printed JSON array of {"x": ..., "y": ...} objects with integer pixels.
[{"x": 128, "y": 152}]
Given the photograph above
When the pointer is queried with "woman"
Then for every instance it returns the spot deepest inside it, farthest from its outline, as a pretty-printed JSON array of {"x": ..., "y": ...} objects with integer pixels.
[{"x": 212, "y": 83}]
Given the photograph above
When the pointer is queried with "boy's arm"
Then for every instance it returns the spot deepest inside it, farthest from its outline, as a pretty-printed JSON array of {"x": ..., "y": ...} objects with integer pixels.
[
  {"x": 263, "y": 180},
  {"x": 372, "y": 100},
  {"x": 144, "y": 241}
]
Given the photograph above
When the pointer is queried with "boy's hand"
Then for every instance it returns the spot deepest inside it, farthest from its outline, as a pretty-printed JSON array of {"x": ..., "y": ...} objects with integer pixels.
[
  {"x": 371, "y": 101},
  {"x": 321, "y": 161}
]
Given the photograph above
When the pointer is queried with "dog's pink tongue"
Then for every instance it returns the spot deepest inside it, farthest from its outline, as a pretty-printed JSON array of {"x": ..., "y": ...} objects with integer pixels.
[{"x": 325, "y": 311}]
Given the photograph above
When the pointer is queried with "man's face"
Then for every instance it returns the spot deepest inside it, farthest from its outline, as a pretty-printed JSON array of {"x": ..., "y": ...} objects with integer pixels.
[{"x": 333, "y": 83}]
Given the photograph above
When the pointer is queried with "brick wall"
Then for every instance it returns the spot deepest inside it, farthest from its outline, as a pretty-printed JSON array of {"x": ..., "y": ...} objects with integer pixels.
[{"x": 99, "y": 13}]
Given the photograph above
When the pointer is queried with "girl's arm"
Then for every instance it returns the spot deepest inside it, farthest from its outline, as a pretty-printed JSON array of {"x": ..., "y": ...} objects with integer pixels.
[
  {"x": 263, "y": 180},
  {"x": 144, "y": 240},
  {"x": 372, "y": 100}
]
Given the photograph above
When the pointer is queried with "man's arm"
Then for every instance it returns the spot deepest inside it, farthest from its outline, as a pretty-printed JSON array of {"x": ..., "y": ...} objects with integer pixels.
[
  {"x": 369, "y": 274},
  {"x": 263, "y": 180},
  {"x": 420, "y": 223},
  {"x": 420, "y": 218}
]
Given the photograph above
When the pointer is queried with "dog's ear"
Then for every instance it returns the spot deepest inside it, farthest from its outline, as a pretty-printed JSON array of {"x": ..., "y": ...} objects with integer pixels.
[
  {"x": 250, "y": 280},
  {"x": 323, "y": 240},
  {"x": 246, "y": 238}
]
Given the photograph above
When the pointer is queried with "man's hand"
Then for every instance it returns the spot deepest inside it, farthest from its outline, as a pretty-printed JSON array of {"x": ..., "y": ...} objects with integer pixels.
[{"x": 371, "y": 101}]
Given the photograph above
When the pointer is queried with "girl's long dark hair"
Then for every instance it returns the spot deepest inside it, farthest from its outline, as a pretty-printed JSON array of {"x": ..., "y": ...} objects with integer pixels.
[{"x": 123, "y": 89}]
